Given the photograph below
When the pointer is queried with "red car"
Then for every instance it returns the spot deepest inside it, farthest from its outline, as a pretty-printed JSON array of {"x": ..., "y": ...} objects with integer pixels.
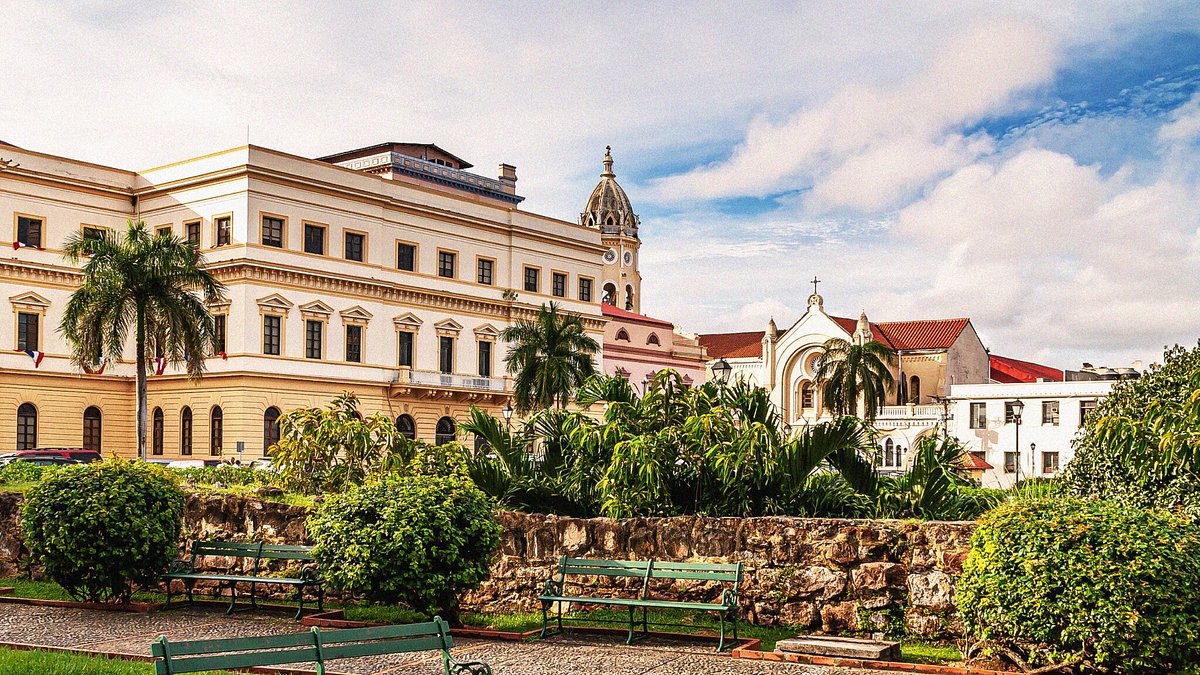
[{"x": 53, "y": 455}]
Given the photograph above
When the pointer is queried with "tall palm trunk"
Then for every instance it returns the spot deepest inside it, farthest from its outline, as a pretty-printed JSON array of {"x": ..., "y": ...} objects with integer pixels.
[{"x": 140, "y": 357}]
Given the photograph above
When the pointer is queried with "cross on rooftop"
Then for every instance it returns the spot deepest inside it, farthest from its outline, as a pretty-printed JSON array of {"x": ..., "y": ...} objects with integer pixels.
[{"x": 814, "y": 282}]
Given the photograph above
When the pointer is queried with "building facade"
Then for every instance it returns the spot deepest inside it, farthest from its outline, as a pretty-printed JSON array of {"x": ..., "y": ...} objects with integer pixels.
[
  {"x": 388, "y": 271},
  {"x": 636, "y": 347},
  {"x": 1039, "y": 445},
  {"x": 609, "y": 211}
]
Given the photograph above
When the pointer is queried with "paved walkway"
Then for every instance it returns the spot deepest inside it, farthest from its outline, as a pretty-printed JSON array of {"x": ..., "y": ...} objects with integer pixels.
[{"x": 121, "y": 633}]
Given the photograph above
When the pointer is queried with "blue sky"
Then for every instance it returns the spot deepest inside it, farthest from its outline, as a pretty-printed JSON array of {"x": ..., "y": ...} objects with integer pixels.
[{"x": 1032, "y": 165}]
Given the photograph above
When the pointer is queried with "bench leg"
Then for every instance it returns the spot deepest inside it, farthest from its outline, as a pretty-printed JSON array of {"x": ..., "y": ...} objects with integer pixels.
[
  {"x": 645, "y": 628},
  {"x": 629, "y": 640},
  {"x": 320, "y": 597},
  {"x": 300, "y": 609},
  {"x": 253, "y": 595},
  {"x": 545, "y": 620},
  {"x": 232, "y": 597},
  {"x": 190, "y": 584},
  {"x": 167, "y": 605}
]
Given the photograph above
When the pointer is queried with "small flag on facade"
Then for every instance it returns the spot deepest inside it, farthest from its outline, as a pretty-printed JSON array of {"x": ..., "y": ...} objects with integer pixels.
[
  {"x": 35, "y": 355},
  {"x": 223, "y": 355},
  {"x": 96, "y": 369},
  {"x": 20, "y": 244},
  {"x": 160, "y": 364}
]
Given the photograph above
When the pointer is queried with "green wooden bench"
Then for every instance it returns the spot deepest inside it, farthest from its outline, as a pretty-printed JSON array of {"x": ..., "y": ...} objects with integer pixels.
[
  {"x": 645, "y": 571},
  {"x": 315, "y": 646},
  {"x": 189, "y": 572}
]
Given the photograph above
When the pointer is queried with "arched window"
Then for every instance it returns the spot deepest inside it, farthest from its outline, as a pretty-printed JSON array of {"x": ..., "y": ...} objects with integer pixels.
[
  {"x": 185, "y": 431},
  {"x": 889, "y": 453},
  {"x": 623, "y": 334},
  {"x": 91, "y": 428},
  {"x": 653, "y": 339},
  {"x": 629, "y": 298},
  {"x": 26, "y": 427},
  {"x": 156, "y": 433},
  {"x": 481, "y": 445},
  {"x": 914, "y": 389},
  {"x": 610, "y": 294},
  {"x": 406, "y": 426},
  {"x": 270, "y": 428},
  {"x": 446, "y": 431},
  {"x": 807, "y": 395},
  {"x": 216, "y": 431},
  {"x": 357, "y": 415}
]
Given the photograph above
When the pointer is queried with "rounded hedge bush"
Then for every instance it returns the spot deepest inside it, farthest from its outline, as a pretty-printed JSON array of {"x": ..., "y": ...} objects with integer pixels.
[
  {"x": 1087, "y": 582},
  {"x": 416, "y": 540},
  {"x": 106, "y": 529}
]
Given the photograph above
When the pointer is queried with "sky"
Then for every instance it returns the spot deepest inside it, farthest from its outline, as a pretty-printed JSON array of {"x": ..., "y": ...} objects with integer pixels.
[{"x": 1034, "y": 166}]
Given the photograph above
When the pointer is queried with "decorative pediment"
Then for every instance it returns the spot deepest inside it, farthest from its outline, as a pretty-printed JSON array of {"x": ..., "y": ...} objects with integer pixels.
[
  {"x": 487, "y": 331},
  {"x": 29, "y": 300},
  {"x": 407, "y": 321},
  {"x": 355, "y": 314},
  {"x": 275, "y": 304},
  {"x": 448, "y": 326},
  {"x": 316, "y": 307}
]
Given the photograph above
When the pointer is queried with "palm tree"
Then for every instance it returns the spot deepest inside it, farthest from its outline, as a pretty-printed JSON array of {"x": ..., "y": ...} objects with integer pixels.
[
  {"x": 850, "y": 372},
  {"x": 152, "y": 284},
  {"x": 551, "y": 357}
]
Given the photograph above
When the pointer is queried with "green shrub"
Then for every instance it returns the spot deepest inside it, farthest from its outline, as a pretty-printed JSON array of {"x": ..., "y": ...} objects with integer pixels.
[
  {"x": 225, "y": 474},
  {"x": 21, "y": 471},
  {"x": 1087, "y": 582},
  {"x": 417, "y": 540},
  {"x": 105, "y": 529}
]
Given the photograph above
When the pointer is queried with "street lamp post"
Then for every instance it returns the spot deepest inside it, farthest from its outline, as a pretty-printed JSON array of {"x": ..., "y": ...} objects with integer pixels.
[
  {"x": 1018, "y": 407},
  {"x": 1033, "y": 472},
  {"x": 508, "y": 411},
  {"x": 722, "y": 369}
]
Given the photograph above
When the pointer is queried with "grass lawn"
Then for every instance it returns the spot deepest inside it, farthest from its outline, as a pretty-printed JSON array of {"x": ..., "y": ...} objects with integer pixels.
[
  {"x": 60, "y": 663},
  {"x": 48, "y": 590}
]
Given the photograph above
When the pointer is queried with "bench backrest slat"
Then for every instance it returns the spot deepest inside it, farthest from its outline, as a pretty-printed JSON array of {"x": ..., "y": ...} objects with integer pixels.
[
  {"x": 605, "y": 568},
  {"x": 385, "y": 632},
  {"x": 286, "y": 552},
  {"x": 233, "y": 549},
  {"x": 697, "y": 571},
  {"x": 191, "y": 647},
  {"x": 400, "y": 646},
  {"x": 195, "y": 664}
]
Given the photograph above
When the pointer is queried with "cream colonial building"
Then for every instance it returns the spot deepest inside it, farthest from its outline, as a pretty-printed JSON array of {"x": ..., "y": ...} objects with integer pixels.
[
  {"x": 931, "y": 356},
  {"x": 388, "y": 271}
]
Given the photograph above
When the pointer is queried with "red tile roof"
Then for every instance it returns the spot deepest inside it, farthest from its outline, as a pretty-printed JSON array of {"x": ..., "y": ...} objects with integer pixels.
[
  {"x": 921, "y": 334},
  {"x": 1008, "y": 370},
  {"x": 971, "y": 461},
  {"x": 851, "y": 325},
  {"x": 625, "y": 315},
  {"x": 733, "y": 345}
]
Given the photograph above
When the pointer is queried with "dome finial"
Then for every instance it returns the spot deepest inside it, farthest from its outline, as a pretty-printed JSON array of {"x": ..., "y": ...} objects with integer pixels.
[{"x": 608, "y": 162}]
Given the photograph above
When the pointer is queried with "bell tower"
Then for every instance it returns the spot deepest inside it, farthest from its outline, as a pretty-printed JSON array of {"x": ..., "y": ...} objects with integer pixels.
[{"x": 608, "y": 209}]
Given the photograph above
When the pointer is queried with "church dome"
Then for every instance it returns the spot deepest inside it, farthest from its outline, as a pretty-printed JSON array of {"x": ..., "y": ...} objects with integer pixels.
[{"x": 609, "y": 208}]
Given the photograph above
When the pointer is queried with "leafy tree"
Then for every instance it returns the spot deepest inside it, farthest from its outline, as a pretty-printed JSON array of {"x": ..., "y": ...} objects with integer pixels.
[
  {"x": 550, "y": 356},
  {"x": 333, "y": 448},
  {"x": 851, "y": 373},
  {"x": 154, "y": 285},
  {"x": 935, "y": 487},
  {"x": 1139, "y": 446}
]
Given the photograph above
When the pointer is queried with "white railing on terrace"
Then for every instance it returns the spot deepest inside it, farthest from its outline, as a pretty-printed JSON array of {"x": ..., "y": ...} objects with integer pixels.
[
  {"x": 429, "y": 378},
  {"x": 913, "y": 411}
]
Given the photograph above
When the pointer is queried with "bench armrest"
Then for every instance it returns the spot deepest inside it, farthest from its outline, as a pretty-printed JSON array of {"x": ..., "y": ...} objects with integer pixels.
[
  {"x": 467, "y": 667},
  {"x": 729, "y": 598},
  {"x": 552, "y": 588},
  {"x": 181, "y": 567},
  {"x": 310, "y": 575}
]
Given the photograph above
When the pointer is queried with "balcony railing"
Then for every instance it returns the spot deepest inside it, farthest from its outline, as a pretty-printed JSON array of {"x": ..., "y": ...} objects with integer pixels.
[
  {"x": 933, "y": 412},
  {"x": 429, "y": 378}
]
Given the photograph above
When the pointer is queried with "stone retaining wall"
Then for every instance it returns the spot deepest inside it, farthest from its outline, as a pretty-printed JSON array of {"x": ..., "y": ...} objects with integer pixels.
[{"x": 828, "y": 575}]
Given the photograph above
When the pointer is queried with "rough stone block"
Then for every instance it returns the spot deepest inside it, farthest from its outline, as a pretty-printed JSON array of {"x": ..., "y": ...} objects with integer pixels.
[{"x": 844, "y": 647}]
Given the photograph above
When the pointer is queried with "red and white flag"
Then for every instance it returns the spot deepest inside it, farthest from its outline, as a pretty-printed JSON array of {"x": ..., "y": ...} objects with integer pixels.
[
  {"x": 97, "y": 369},
  {"x": 20, "y": 244},
  {"x": 160, "y": 364},
  {"x": 35, "y": 355}
]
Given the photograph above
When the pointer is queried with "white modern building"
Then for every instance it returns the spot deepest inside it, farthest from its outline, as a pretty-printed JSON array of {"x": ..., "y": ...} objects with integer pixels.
[{"x": 1022, "y": 430}]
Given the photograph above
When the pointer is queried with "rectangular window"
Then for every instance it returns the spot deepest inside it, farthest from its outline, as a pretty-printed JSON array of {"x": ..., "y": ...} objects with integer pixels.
[
  {"x": 978, "y": 416},
  {"x": 1049, "y": 462},
  {"x": 446, "y": 264},
  {"x": 92, "y": 233},
  {"x": 1085, "y": 407},
  {"x": 29, "y": 231},
  {"x": 314, "y": 239},
  {"x": 223, "y": 225},
  {"x": 446, "y": 354},
  {"x": 558, "y": 286},
  {"x": 272, "y": 334},
  {"x": 406, "y": 348},
  {"x": 485, "y": 271},
  {"x": 1010, "y": 412},
  {"x": 27, "y": 330},
  {"x": 1010, "y": 462},
  {"x": 406, "y": 257},
  {"x": 192, "y": 230},
  {"x": 164, "y": 231},
  {"x": 314, "y": 336},
  {"x": 354, "y": 246},
  {"x": 219, "y": 334},
  {"x": 585, "y": 290},
  {"x": 531, "y": 279},
  {"x": 485, "y": 359},
  {"x": 272, "y": 231},
  {"x": 1050, "y": 412},
  {"x": 354, "y": 344}
]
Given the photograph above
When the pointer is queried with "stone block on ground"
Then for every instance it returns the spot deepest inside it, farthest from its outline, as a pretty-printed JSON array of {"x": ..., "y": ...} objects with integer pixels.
[{"x": 852, "y": 648}]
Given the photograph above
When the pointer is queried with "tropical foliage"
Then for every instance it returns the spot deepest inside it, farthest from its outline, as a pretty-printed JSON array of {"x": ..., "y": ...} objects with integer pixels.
[
  {"x": 1088, "y": 585},
  {"x": 935, "y": 486},
  {"x": 1141, "y": 445},
  {"x": 850, "y": 373},
  {"x": 153, "y": 285},
  {"x": 549, "y": 356}
]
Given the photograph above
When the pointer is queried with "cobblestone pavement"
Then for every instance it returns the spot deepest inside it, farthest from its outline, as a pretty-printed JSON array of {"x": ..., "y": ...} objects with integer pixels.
[{"x": 121, "y": 633}]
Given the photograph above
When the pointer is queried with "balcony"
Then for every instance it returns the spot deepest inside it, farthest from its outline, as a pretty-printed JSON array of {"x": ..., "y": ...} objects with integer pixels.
[
  {"x": 911, "y": 412},
  {"x": 434, "y": 384}
]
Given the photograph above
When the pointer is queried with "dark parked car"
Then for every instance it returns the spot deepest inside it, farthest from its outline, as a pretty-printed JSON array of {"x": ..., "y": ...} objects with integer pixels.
[{"x": 53, "y": 456}]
